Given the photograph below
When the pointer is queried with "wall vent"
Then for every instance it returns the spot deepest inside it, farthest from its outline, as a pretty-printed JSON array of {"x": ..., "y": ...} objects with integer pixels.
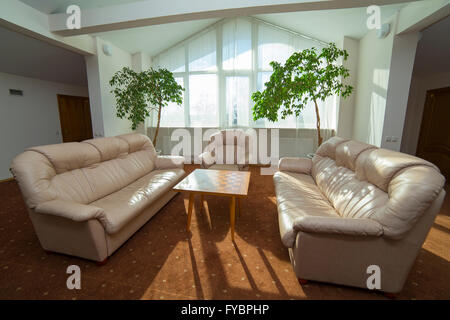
[{"x": 15, "y": 92}]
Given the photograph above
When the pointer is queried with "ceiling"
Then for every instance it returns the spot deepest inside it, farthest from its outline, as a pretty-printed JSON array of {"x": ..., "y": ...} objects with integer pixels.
[
  {"x": 56, "y": 64},
  {"x": 156, "y": 38},
  {"x": 60, "y": 6},
  {"x": 28, "y": 57},
  {"x": 329, "y": 25},
  {"x": 325, "y": 25},
  {"x": 433, "y": 49}
]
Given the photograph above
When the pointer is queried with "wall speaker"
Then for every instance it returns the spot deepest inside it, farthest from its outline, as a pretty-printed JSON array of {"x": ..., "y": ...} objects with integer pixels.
[{"x": 107, "y": 50}]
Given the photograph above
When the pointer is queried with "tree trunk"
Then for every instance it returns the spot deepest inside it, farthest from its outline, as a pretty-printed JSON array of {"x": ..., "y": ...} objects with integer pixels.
[
  {"x": 157, "y": 126},
  {"x": 319, "y": 136}
]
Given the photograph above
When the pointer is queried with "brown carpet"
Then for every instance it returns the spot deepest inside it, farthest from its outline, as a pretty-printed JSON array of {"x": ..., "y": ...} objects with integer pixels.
[{"x": 161, "y": 261}]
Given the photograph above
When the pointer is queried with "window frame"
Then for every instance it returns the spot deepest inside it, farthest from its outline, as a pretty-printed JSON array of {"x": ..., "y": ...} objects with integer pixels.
[{"x": 222, "y": 74}]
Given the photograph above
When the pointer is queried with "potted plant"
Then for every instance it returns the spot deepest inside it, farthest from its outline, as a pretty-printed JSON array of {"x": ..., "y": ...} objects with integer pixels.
[
  {"x": 308, "y": 75},
  {"x": 137, "y": 93}
]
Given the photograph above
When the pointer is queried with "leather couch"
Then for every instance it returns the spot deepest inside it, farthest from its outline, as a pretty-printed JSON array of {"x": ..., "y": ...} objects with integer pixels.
[
  {"x": 235, "y": 142},
  {"x": 352, "y": 206},
  {"x": 86, "y": 199}
]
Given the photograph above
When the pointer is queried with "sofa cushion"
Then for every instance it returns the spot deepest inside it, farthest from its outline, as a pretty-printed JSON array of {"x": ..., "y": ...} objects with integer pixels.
[
  {"x": 382, "y": 165},
  {"x": 338, "y": 225},
  {"x": 328, "y": 148},
  {"x": 351, "y": 197},
  {"x": 169, "y": 162},
  {"x": 362, "y": 181},
  {"x": 138, "y": 142},
  {"x": 411, "y": 193},
  {"x": 109, "y": 148},
  {"x": 347, "y": 153},
  {"x": 122, "y": 206},
  {"x": 82, "y": 172},
  {"x": 297, "y": 197},
  {"x": 68, "y": 156},
  {"x": 298, "y": 165},
  {"x": 229, "y": 146},
  {"x": 70, "y": 210}
]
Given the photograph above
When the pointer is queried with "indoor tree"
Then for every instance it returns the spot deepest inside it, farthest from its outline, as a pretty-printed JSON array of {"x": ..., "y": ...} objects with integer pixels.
[
  {"x": 307, "y": 76},
  {"x": 138, "y": 93}
]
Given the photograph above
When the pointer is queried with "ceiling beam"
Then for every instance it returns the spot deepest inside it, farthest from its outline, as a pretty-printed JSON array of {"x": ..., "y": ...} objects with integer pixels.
[
  {"x": 419, "y": 15},
  {"x": 19, "y": 17},
  {"x": 151, "y": 12}
]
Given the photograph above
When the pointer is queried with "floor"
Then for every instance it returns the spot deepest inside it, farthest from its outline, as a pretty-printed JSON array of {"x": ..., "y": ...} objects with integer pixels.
[{"x": 162, "y": 261}]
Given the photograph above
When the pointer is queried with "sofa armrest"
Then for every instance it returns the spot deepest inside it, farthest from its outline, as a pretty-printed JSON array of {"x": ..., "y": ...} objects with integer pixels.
[
  {"x": 298, "y": 165},
  {"x": 70, "y": 210},
  {"x": 169, "y": 162},
  {"x": 206, "y": 159},
  {"x": 344, "y": 226}
]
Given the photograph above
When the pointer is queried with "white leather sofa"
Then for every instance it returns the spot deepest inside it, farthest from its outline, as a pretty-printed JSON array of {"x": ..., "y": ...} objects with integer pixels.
[
  {"x": 86, "y": 199},
  {"x": 352, "y": 206},
  {"x": 233, "y": 141}
]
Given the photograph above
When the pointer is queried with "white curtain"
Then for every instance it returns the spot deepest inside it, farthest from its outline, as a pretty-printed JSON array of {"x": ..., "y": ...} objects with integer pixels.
[
  {"x": 237, "y": 72},
  {"x": 222, "y": 66}
]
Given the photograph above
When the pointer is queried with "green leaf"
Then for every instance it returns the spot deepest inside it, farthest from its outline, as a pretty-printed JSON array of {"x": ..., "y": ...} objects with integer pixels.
[
  {"x": 308, "y": 75},
  {"x": 136, "y": 92}
]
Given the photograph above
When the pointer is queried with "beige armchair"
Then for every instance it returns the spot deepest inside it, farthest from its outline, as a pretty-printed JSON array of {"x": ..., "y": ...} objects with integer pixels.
[
  {"x": 227, "y": 150},
  {"x": 86, "y": 199},
  {"x": 354, "y": 206}
]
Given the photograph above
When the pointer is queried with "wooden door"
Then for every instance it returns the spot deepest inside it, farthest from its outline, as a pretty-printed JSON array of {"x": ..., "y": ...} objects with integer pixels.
[
  {"x": 434, "y": 139},
  {"x": 75, "y": 118}
]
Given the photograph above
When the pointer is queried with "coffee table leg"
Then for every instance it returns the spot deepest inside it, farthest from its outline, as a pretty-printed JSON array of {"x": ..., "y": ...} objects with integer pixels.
[
  {"x": 239, "y": 207},
  {"x": 191, "y": 205},
  {"x": 232, "y": 217},
  {"x": 201, "y": 203}
]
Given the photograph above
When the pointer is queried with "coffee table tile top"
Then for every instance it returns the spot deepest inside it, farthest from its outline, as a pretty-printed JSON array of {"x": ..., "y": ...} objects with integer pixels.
[{"x": 219, "y": 182}]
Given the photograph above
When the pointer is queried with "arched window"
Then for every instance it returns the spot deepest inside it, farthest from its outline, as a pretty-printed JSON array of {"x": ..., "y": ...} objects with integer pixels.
[{"x": 221, "y": 66}]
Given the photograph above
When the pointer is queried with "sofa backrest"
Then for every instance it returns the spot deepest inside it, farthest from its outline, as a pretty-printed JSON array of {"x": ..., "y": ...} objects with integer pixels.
[
  {"x": 235, "y": 142},
  {"x": 82, "y": 171},
  {"x": 363, "y": 181}
]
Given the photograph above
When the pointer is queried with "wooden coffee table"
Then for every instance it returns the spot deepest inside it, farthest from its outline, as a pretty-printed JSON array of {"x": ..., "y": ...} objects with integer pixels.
[{"x": 233, "y": 184}]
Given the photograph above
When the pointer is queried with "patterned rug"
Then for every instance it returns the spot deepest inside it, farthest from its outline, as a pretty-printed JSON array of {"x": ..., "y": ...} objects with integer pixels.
[{"x": 162, "y": 261}]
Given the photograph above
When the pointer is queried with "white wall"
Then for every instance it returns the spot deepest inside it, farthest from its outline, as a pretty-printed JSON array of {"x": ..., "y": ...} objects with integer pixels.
[
  {"x": 384, "y": 74},
  {"x": 402, "y": 64},
  {"x": 31, "y": 119},
  {"x": 95, "y": 95},
  {"x": 416, "y": 103},
  {"x": 371, "y": 92},
  {"x": 100, "y": 69}
]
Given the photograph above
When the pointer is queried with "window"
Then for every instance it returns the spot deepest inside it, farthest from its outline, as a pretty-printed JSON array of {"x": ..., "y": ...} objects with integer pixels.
[
  {"x": 223, "y": 65},
  {"x": 237, "y": 45},
  {"x": 203, "y": 111},
  {"x": 173, "y": 114},
  {"x": 238, "y": 100},
  {"x": 273, "y": 45},
  {"x": 202, "y": 53}
]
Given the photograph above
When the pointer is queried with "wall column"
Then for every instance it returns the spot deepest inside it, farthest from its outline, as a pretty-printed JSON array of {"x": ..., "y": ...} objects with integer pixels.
[
  {"x": 402, "y": 63},
  {"x": 141, "y": 61}
]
